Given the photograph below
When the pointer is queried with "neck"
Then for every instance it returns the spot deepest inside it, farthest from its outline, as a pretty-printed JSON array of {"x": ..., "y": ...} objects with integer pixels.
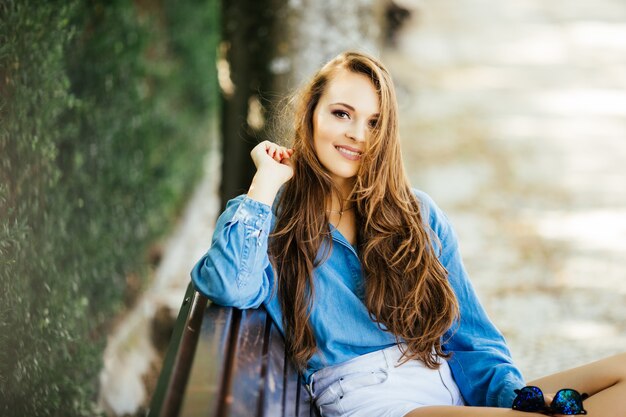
[
  {"x": 337, "y": 205},
  {"x": 345, "y": 186}
]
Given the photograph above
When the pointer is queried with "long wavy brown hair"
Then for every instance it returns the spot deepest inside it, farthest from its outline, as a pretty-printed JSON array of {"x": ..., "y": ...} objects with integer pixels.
[{"x": 406, "y": 288}]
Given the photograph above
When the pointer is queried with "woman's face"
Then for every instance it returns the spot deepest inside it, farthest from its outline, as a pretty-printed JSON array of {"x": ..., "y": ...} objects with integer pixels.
[{"x": 342, "y": 122}]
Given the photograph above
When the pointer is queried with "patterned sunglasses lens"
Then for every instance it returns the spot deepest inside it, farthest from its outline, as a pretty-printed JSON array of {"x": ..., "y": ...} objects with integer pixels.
[
  {"x": 529, "y": 399},
  {"x": 568, "y": 402}
]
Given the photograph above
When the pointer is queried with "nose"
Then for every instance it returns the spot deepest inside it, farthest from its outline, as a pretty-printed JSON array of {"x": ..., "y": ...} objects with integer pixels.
[{"x": 357, "y": 131}]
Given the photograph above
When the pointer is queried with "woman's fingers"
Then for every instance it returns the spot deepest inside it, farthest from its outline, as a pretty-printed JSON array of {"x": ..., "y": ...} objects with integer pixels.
[
  {"x": 272, "y": 150},
  {"x": 278, "y": 153},
  {"x": 281, "y": 153},
  {"x": 285, "y": 154},
  {"x": 287, "y": 159}
]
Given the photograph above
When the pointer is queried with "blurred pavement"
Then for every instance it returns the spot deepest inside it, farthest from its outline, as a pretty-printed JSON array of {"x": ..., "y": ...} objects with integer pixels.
[{"x": 513, "y": 118}]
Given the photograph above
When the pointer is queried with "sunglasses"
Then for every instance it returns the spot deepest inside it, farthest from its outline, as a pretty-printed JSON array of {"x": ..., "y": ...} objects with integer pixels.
[{"x": 566, "y": 401}]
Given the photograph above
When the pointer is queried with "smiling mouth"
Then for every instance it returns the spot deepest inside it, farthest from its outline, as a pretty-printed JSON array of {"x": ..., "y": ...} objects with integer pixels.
[{"x": 351, "y": 155}]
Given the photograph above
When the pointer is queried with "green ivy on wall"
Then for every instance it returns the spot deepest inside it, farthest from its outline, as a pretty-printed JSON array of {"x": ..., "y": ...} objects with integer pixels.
[{"x": 104, "y": 108}]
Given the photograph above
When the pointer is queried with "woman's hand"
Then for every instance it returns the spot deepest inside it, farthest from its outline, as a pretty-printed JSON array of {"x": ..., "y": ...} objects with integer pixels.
[
  {"x": 273, "y": 169},
  {"x": 273, "y": 160}
]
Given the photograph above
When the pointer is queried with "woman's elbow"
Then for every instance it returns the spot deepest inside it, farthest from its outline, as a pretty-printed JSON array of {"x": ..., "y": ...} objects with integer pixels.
[
  {"x": 208, "y": 282},
  {"x": 222, "y": 289}
]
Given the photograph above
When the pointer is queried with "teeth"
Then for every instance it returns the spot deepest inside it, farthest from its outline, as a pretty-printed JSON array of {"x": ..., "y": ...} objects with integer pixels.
[{"x": 346, "y": 151}]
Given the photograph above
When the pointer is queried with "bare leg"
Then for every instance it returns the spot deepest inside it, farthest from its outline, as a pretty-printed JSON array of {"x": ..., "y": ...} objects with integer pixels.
[
  {"x": 604, "y": 381},
  {"x": 450, "y": 411}
]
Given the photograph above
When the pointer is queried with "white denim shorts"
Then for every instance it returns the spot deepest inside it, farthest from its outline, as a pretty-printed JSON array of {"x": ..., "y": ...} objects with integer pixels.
[{"x": 375, "y": 385}]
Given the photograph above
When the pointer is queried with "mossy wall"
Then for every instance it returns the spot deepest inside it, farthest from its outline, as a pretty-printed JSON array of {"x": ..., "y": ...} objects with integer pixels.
[{"x": 104, "y": 113}]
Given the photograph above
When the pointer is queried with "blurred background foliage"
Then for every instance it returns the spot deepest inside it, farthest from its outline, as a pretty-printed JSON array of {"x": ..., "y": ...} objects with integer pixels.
[{"x": 104, "y": 113}]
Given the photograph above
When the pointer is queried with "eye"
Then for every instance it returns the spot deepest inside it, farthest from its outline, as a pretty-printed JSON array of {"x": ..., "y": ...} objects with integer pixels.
[
  {"x": 341, "y": 114},
  {"x": 373, "y": 123}
]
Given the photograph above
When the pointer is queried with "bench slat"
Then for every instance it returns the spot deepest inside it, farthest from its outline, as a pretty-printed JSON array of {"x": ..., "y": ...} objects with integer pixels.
[
  {"x": 170, "y": 388},
  {"x": 246, "y": 383},
  {"x": 274, "y": 375},
  {"x": 292, "y": 390},
  {"x": 207, "y": 372}
]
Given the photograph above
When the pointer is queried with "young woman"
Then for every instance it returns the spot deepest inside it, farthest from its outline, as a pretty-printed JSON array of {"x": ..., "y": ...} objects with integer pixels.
[{"x": 363, "y": 275}]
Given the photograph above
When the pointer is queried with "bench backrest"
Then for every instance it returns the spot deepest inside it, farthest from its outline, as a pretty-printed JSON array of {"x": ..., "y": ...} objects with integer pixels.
[{"x": 227, "y": 362}]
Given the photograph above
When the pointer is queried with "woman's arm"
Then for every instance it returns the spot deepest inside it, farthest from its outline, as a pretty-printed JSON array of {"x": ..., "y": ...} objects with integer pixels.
[
  {"x": 236, "y": 270},
  {"x": 481, "y": 361}
]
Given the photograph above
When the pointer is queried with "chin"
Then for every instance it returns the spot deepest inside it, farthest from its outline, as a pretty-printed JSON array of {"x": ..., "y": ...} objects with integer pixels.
[{"x": 343, "y": 176}]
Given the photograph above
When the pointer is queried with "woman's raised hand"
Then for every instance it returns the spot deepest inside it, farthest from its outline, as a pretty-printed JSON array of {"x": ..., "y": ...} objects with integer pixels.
[
  {"x": 273, "y": 159},
  {"x": 273, "y": 169}
]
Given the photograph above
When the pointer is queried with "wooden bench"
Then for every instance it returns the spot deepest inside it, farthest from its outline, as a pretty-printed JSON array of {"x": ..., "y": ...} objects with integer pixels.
[{"x": 223, "y": 362}]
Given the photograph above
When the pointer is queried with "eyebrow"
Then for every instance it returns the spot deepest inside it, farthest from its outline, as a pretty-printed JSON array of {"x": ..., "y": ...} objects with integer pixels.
[{"x": 351, "y": 108}]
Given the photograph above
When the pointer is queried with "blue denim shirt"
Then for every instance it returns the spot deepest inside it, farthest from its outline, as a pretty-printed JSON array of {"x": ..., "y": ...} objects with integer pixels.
[{"x": 236, "y": 272}]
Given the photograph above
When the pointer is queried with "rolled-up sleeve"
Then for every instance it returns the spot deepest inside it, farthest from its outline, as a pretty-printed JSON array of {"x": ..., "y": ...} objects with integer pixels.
[
  {"x": 236, "y": 270},
  {"x": 481, "y": 361}
]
